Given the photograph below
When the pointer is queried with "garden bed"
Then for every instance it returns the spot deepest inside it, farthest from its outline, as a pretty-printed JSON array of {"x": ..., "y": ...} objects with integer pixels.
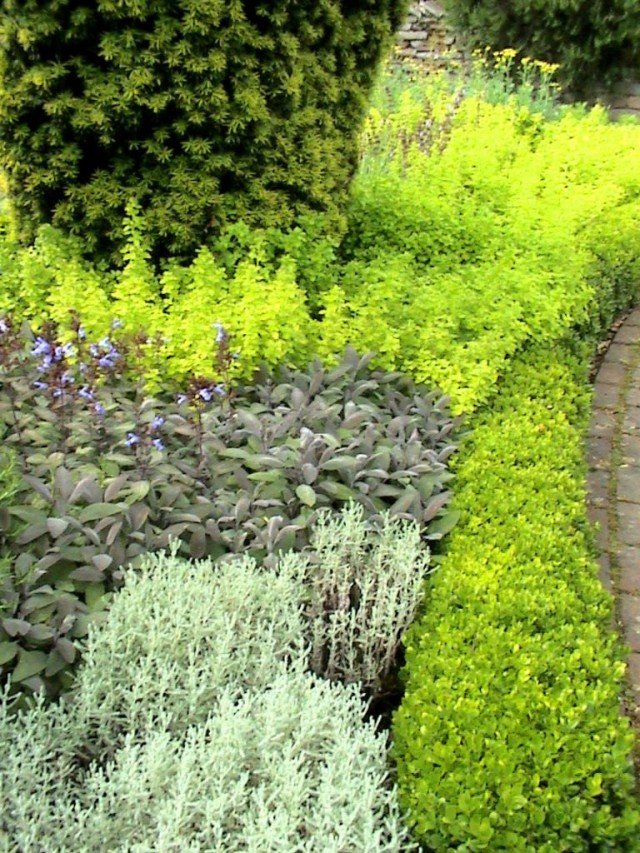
[{"x": 491, "y": 240}]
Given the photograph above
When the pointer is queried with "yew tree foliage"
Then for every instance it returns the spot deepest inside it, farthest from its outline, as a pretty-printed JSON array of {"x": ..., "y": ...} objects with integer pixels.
[
  {"x": 593, "y": 40},
  {"x": 205, "y": 111}
]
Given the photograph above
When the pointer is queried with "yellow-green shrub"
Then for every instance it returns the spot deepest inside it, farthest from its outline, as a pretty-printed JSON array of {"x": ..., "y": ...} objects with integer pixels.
[
  {"x": 474, "y": 229},
  {"x": 489, "y": 244},
  {"x": 454, "y": 258},
  {"x": 509, "y": 736},
  {"x": 264, "y": 310}
]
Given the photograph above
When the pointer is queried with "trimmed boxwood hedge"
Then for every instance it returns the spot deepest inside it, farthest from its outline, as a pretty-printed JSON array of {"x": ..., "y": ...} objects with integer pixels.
[{"x": 509, "y": 736}]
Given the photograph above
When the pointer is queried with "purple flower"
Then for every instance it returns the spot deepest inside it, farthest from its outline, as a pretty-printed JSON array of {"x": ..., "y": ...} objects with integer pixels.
[
  {"x": 82, "y": 335},
  {"x": 108, "y": 361},
  {"x": 116, "y": 324},
  {"x": 4, "y": 326},
  {"x": 99, "y": 410},
  {"x": 132, "y": 439},
  {"x": 41, "y": 347},
  {"x": 67, "y": 378},
  {"x": 157, "y": 422},
  {"x": 106, "y": 354},
  {"x": 41, "y": 386},
  {"x": 181, "y": 399},
  {"x": 157, "y": 444},
  {"x": 57, "y": 393},
  {"x": 207, "y": 394},
  {"x": 82, "y": 367},
  {"x": 86, "y": 393},
  {"x": 67, "y": 350},
  {"x": 221, "y": 333}
]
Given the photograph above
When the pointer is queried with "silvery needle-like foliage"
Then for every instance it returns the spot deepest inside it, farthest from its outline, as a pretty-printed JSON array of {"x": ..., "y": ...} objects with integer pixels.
[
  {"x": 291, "y": 767},
  {"x": 194, "y": 727},
  {"x": 365, "y": 586},
  {"x": 178, "y": 634}
]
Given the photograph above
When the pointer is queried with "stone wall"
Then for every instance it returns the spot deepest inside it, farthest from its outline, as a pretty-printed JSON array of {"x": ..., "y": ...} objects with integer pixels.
[
  {"x": 624, "y": 99},
  {"x": 427, "y": 38}
]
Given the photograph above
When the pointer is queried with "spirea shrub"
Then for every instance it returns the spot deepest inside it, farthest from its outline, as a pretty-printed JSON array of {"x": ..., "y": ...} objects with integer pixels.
[
  {"x": 191, "y": 728},
  {"x": 364, "y": 587},
  {"x": 202, "y": 111},
  {"x": 108, "y": 473},
  {"x": 592, "y": 42}
]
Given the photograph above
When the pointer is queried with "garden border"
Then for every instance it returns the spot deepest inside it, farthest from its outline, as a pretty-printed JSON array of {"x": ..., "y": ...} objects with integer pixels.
[{"x": 613, "y": 456}]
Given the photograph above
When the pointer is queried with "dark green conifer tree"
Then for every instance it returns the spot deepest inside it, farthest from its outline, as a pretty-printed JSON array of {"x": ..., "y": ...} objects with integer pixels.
[
  {"x": 204, "y": 111},
  {"x": 594, "y": 41}
]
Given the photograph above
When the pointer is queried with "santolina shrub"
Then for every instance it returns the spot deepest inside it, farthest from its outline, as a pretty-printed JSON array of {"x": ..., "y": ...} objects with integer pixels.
[
  {"x": 192, "y": 725},
  {"x": 363, "y": 585}
]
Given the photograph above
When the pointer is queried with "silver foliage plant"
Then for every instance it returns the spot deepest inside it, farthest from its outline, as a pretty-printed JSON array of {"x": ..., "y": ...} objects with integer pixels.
[
  {"x": 365, "y": 584},
  {"x": 194, "y": 726},
  {"x": 177, "y": 635}
]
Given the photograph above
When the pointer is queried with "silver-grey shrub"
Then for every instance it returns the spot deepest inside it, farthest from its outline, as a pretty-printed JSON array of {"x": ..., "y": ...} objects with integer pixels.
[
  {"x": 39, "y": 749},
  {"x": 290, "y": 767},
  {"x": 194, "y": 727},
  {"x": 178, "y": 633},
  {"x": 365, "y": 584}
]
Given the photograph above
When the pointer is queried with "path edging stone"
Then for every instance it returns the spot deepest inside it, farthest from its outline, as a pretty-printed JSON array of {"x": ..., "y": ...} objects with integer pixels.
[{"x": 613, "y": 455}]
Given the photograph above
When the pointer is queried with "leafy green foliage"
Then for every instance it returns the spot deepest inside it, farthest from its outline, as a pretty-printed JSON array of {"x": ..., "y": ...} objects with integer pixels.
[
  {"x": 592, "y": 42},
  {"x": 193, "y": 726},
  {"x": 509, "y": 735},
  {"x": 109, "y": 473},
  {"x": 473, "y": 234},
  {"x": 477, "y": 230},
  {"x": 203, "y": 112},
  {"x": 474, "y": 229}
]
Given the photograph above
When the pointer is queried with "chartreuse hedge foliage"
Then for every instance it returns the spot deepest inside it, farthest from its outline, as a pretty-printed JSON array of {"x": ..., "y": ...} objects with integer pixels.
[
  {"x": 509, "y": 736},
  {"x": 200, "y": 110}
]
